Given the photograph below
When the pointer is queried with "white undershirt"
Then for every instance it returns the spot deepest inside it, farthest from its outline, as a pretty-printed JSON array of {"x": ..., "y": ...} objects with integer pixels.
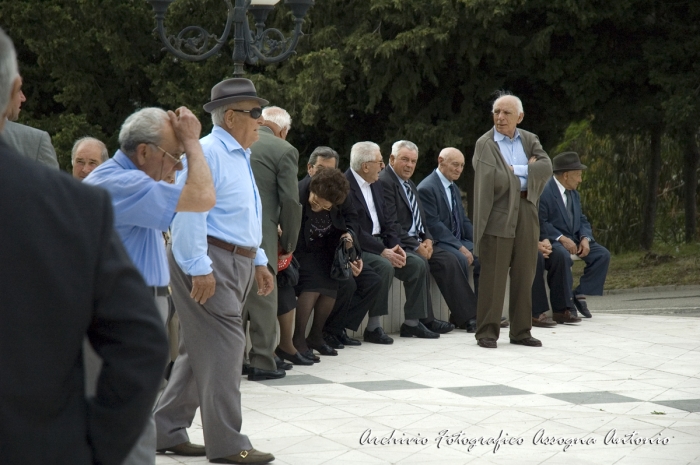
[{"x": 369, "y": 200}]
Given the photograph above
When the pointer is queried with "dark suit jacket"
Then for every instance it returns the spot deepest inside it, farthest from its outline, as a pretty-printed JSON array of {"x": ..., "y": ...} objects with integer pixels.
[
  {"x": 65, "y": 275},
  {"x": 387, "y": 234},
  {"x": 275, "y": 165},
  {"x": 30, "y": 142},
  {"x": 397, "y": 206},
  {"x": 438, "y": 215},
  {"x": 343, "y": 217},
  {"x": 554, "y": 220}
]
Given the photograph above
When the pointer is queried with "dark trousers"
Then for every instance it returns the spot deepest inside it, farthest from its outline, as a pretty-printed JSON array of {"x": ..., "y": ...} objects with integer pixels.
[
  {"x": 595, "y": 271},
  {"x": 559, "y": 279},
  {"x": 354, "y": 299},
  {"x": 453, "y": 284},
  {"x": 463, "y": 263}
]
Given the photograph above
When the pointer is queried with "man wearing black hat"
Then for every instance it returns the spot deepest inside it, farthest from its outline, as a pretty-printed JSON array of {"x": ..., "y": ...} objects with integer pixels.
[
  {"x": 564, "y": 224},
  {"x": 214, "y": 260}
]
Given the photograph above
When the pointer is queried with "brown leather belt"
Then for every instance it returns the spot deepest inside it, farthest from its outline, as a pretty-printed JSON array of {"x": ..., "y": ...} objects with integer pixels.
[
  {"x": 523, "y": 194},
  {"x": 231, "y": 248}
]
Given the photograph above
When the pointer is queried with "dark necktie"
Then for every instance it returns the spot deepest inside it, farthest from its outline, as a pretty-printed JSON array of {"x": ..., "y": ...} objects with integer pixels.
[
  {"x": 414, "y": 209},
  {"x": 456, "y": 227},
  {"x": 570, "y": 207}
]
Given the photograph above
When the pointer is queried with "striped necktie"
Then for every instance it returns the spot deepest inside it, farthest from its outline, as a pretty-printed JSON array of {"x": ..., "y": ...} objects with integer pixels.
[{"x": 414, "y": 208}]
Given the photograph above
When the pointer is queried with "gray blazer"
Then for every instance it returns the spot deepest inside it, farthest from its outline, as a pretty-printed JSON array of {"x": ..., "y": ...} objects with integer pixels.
[{"x": 30, "y": 142}]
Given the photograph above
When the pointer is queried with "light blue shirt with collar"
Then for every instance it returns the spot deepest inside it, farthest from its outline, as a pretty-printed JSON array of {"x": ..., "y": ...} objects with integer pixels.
[
  {"x": 514, "y": 154},
  {"x": 412, "y": 231},
  {"x": 237, "y": 216},
  {"x": 446, "y": 183},
  {"x": 143, "y": 209}
]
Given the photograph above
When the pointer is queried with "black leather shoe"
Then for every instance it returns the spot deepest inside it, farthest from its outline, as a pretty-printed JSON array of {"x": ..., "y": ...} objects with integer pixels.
[
  {"x": 323, "y": 349},
  {"x": 333, "y": 341},
  {"x": 504, "y": 322},
  {"x": 309, "y": 354},
  {"x": 347, "y": 340},
  {"x": 282, "y": 365},
  {"x": 378, "y": 336},
  {"x": 471, "y": 325},
  {"x": 296, "y": 359},
  {"x": 487, "y": 343},
  {"x": 258, "y": 374},
  {"x": 419, "y": 331},
  {"x": 244, "y": 370},
  {"x": 439, "y": 326},
  {"x": 528, "y": 341},
  {"x": 582, "y": 307}
]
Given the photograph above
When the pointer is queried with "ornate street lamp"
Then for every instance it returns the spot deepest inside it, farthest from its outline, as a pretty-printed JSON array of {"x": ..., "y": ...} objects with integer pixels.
[{"x": 265, "y": 46}]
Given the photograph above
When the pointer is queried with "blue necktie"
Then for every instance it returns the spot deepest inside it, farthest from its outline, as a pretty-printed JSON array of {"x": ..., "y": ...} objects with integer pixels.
[
  {"x": 456, "y": 228},
  {"x": 570, "y": 207},
  {"x": 414, "y": 209}
]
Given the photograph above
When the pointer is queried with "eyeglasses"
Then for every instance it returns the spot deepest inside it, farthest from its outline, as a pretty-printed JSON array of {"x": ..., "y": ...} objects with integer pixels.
[
  {"x": 177, "y": 159},
  {"x": 318, "y": 205},
  {"x": 254, "y": 113}
]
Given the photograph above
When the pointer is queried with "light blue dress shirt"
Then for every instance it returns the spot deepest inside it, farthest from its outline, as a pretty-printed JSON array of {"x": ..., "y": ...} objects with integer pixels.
[
  {"x": 143, "y": 208},
  {"x": 514, "y": 154},
  {"x": 446, "y": 183},
  {"x": 237, "y": 216}
]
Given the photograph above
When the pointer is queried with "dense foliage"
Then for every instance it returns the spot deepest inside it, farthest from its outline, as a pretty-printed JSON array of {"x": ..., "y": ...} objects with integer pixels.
[{"x": 383, "y": 70}]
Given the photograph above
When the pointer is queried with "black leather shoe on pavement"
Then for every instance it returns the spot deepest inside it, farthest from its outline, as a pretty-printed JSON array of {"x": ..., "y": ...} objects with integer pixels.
[
  {"x": 333, "y": 341},
  {"x": 311, "y": 356},
  {"x": 244, "y": 370},
  {"x": 282, "y": 365},
  {"x": 296, "y": 359},
  {"x": 186, "y": 449},
  {"x": 471, "y": 325},
  {"x": 418, "y": 331},
  {"x": 528, "y": 341},
  {"x": 258, "y": 374},
  {"x": 439, "y": 326},
  {"x": 487, "y": 343},
  {"x": 246, "y": 456},
  {"x": 378, "y": 336},
  {"x": 323, "y": 349},
  {"x": 582, "y": 307},
  {"x": 347, "y": 340}
]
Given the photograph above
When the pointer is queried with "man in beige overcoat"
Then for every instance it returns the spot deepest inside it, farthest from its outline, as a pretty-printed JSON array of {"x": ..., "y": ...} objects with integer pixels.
[
  {"x": 510, "y": 172},
  {"x": 275, "y": 165}
]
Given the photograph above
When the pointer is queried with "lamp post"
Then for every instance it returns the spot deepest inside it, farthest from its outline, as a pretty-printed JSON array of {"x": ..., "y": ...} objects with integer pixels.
[{"x": 260, "y": 46}]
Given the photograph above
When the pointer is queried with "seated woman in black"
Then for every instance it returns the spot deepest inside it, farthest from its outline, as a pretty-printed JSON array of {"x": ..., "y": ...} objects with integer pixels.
[{"x": 323, "y": 226}]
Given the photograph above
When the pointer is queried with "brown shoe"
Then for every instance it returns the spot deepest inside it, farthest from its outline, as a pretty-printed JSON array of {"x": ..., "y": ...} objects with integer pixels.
[
  {"x": 487, "y": 343},
  {"x": 565, "y": 317},
  {"x": 246, "y": 456},
  {"x": 186, "y": 449},
  {"x": 528, "y": 341},
  {"x": 543, "y": 321}
]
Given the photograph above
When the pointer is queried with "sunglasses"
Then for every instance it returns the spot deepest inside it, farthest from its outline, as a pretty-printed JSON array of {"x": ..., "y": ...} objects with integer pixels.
[{"x": 254, "y": 113}]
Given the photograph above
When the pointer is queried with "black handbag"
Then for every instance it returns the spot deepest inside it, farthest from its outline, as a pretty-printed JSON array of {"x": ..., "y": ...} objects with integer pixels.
[
  {"x": 290, "y": 275},
  {"x": 340, "y": 269}
]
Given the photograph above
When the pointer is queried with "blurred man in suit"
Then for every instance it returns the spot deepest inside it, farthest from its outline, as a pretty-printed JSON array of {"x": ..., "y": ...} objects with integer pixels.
[
  {"x": 275, "y": 164},
  {"x": 28, "y": 141},
  {"x": 66, "y": 276},
  {"x": 87, "y": 154},
  {"x": 562, "y": 222},
  {"x": 510, "y": 171},
  {"x": 381, "y": 249},
  {"x": 404, "y": 206}
]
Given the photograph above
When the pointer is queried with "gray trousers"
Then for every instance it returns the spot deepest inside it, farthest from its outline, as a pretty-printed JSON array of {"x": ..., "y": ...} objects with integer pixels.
[
  {"x": 144, "y": 451},
  {"x": 261, "y": 312},
  {"x": 412, "y": 274},
  {"x": 207, "y": 371}
]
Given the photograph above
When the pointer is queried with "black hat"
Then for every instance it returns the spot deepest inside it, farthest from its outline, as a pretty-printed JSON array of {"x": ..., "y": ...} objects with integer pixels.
[
  {"x": 567, "y": 161},
  {"x": 233, "y": 90}
]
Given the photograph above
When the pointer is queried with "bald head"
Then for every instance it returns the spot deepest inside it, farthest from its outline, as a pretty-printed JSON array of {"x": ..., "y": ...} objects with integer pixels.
[{"x": 451, "y": 163}]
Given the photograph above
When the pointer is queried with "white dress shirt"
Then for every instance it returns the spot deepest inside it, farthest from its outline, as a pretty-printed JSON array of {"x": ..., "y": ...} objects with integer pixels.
[{"x": 369, "y": 200}]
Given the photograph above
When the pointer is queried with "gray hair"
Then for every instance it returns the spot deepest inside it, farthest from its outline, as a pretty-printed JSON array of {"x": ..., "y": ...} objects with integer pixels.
[
  {"x": 8, "y": 70},
  {"x": 104, "y": 153},
  {"x": 505, "y": 93},
  {"x": 143, "y": 127},
  {"x": 279, "y": 116},
  {"x": 323, "y": 152},
  {"x": 362, "y": 152},
  {"x": 217, "y": 114},
  {"x": 403, "y": 144}
]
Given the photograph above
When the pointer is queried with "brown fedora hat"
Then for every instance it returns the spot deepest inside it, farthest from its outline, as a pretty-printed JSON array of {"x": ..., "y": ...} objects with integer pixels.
[
  {"x": 567, "y": 161},
  {"x": 233, "y": 90}
]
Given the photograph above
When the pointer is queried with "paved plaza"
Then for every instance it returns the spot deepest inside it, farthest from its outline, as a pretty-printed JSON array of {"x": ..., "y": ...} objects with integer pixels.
[{"x": 621, "y": 388}]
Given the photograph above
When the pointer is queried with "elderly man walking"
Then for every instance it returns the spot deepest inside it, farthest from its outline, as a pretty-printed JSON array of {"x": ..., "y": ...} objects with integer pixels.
[
  {"x": 214, "y": 259},
  {"x": 510, "y": 172},
  {"x": 275, "y": 164},
  {"x": 152, "y": 143}
]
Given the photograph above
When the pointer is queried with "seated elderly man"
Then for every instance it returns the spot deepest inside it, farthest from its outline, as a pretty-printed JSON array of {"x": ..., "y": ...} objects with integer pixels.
[
  {"x": 88, "y": 153},
  {"x": 562, "y": 222}
]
